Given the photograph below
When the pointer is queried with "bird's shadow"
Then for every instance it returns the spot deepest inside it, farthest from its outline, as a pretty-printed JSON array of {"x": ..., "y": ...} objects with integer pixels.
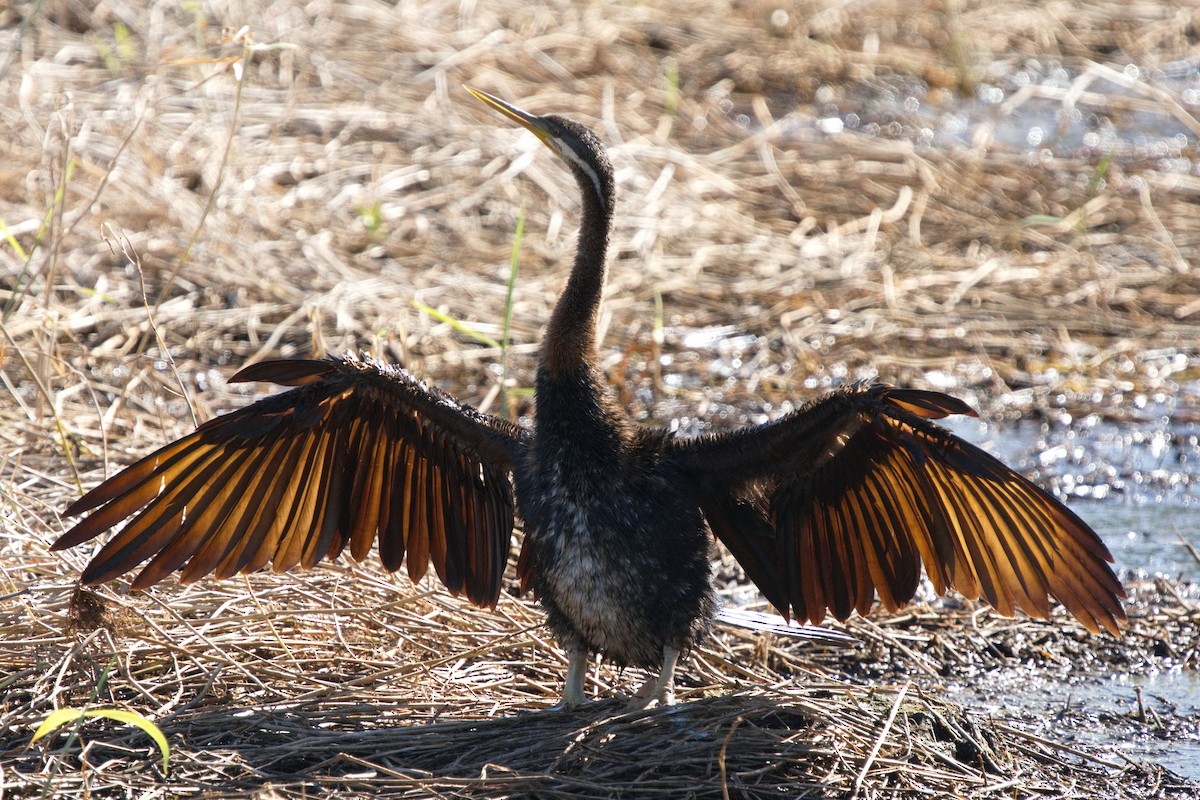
[{"x": 697, "y": 748}]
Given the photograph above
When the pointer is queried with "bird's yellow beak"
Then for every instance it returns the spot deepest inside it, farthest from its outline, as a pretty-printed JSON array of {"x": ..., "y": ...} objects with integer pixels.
[{"x": 535, "y": 125}]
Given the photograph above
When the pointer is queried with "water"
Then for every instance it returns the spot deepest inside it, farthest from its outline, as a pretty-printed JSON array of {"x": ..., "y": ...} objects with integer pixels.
[
  {"x": 1041, "y": 107},
  {"x": 1136, "y": 484},
  {"x": 1104, "y": 715},
  {"x": 1174, "y": 694}
]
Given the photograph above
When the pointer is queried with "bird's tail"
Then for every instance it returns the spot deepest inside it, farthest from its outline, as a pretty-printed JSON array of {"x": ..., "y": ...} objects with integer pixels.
[{"x": 773, "y": 623}]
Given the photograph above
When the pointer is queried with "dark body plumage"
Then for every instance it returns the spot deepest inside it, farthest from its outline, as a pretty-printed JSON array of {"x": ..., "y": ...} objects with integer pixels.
[
  {"x": 825, "y": 508},
  {"x": 617, "y": 555}
]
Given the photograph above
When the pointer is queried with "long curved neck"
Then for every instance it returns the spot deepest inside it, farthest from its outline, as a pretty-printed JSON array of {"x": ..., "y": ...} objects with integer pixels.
[{"x": 569, "y": 343}]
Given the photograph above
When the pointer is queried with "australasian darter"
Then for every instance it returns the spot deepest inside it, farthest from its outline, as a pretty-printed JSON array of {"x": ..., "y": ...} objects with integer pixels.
[{"x": 824, "y": 508}]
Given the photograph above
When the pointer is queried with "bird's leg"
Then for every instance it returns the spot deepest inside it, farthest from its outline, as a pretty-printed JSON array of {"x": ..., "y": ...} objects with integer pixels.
[
  {"x": 573, "y": 688},
  {"x": 661, "y": 688}
]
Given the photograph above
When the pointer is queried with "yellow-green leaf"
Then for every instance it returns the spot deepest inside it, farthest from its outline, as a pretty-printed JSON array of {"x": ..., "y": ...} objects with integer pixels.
[
  {"x": 64, "y": 715},
  {"x": 458, "y": 326},
  {"x": 1041, "y": 219}
]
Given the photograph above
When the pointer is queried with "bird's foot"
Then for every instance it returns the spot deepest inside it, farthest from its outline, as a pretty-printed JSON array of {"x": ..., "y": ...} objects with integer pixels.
[
  {"x": 563, "y": 705},
  {"x": 660, "y": 689},
  {"x": 652, "y": 691},
  {"x": 573, "y": 696}
]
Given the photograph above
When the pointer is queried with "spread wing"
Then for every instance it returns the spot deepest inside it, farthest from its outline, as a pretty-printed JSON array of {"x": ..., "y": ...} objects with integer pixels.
[
  {"x": 847, "y": 497},
  {"x": 357, "y": 451}
]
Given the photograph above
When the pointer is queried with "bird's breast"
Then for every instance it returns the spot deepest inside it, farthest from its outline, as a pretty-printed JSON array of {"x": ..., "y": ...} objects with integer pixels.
[
  {"x": 618, "y": 557},
  {"x": 582, "y": 533}
]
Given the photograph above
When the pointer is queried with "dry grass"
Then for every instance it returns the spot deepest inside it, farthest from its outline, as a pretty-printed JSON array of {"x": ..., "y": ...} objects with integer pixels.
[
  {"x": 346, "y": 681},
  {"x": 172, "y": 222}
]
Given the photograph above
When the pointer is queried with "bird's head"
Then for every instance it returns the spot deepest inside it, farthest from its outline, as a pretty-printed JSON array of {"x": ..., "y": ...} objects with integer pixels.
[{"x": 575, "y": 144}]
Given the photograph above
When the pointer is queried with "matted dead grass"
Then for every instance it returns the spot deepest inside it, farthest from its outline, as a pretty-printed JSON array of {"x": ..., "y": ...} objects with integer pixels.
[
  {"x": 193, "y": 200},
  {"x": 349, "y": 682}
]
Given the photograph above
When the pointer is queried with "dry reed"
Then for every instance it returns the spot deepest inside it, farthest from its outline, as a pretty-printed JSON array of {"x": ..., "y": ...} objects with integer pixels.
[{"x": 194, "y": 199}]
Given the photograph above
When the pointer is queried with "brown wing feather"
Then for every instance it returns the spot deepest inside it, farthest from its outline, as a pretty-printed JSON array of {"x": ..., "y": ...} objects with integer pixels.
[
  {"x": 858, "y": 490},
  {"x": 358, "y": 451}
]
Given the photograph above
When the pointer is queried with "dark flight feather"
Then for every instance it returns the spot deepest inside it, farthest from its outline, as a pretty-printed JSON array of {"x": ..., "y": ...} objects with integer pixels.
[{"x": 358, "y": 451}]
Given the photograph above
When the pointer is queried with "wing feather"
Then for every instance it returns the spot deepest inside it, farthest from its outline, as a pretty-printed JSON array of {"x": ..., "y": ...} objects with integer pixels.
[
  {"x": 418, "y": 521},
  {"x": 369, "y": 481},
  {"x": 857, "y": 491},
  {"x": 211, "y": 502},
  {"x": 358, "y": 451},
  {"x": 247, "y": 532},
  {"x": 225, "y": 534},
  {"x": 152, "y": 529}
]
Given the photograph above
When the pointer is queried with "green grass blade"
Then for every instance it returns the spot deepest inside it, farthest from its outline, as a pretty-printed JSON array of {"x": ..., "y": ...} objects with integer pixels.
[
  {"x": 514, "y": 263},
  {"x": 13, "y": 243},
  {"x": 671, "y": 98},
  {"x": 458, "y": 326},
  {"x": 64, "y": 715}
]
